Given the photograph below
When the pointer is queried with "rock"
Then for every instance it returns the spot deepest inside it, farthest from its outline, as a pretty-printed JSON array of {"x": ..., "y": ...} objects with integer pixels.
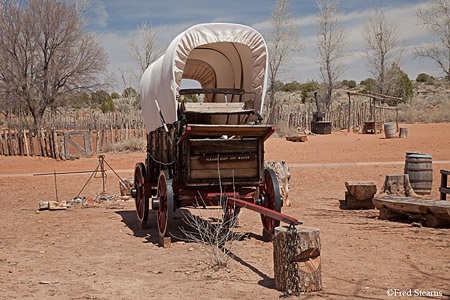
[
  {"x": 43, "y": 205},
  {"x": 54, "y": 205},
  {"x": 125, "y": 187},
  {"x": 361, "y": 190},
  {"x": 416, "y": 224}
]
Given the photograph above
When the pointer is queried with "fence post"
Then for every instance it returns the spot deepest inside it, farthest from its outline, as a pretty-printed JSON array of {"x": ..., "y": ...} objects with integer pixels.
[
  {"x": 27, "y": 152},
  {"x": 56, "y": 144},
  {"x": 2, "y": 150}
]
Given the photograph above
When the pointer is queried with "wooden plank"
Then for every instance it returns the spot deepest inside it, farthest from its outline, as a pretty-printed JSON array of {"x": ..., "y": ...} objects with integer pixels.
[
  {"x": 230, "y": 130},
  {"x": 412, "y": 205},
  {"x": 227, "y": 158},
  {"x": 197, "y": 164},
  {"x": 212, "y": 91},
  {"x": 444, "y": 190},
  {"x": 75, "y": 144},
  {"x": 224, "y": 173},
  {"x": 445, "y": 172},
  {"x": 56, "y": 144},
  {"x": 25, "y": 139},
  {"x": 202, "y": 146},
  {"x": 217, "y": 108},
  {"x": 2, "y": 149}
]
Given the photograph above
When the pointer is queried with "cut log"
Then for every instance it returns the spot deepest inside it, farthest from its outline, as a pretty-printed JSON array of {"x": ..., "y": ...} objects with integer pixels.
[
  {"x": 354, "y": 203},
  {"x": 283, "y": 173},
  {"x": 164, "y": 242},
  {"x": 387, "y": 214},
  {"x": 308, "y": 258},
  {"x": 302, "y": 138},
  {"x": 433, "y": 221},
  {"x": 361, "y": 190},
  {"x": 398, "y": 185},
  {"x": 403, "y": 132}
]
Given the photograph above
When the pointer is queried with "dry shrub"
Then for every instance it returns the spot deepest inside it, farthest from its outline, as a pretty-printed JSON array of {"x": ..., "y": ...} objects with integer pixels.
[
  {"x": 215, "y": 234},
  {"x": 426, "y": 109},
  {"x": 133, "y": 144},
  {"x": 283, "y": 131}
]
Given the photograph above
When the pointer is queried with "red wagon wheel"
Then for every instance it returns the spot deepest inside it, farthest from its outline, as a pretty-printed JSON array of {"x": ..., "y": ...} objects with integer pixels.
[
  {"x": 140, "y": 199},
  {"x": 166, "y": 203},
  {"x": 272, "y": 199}
]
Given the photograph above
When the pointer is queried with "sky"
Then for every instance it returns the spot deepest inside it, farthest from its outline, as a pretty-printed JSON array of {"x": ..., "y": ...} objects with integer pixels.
[{"x": 115, "y": 23}]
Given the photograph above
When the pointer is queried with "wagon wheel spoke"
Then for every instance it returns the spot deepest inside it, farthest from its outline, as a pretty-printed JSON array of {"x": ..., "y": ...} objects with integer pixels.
[
  {"x": 166, "y": 204},
  {"x": 271, "y": 193},
  {"x": 141, "y": 200}
]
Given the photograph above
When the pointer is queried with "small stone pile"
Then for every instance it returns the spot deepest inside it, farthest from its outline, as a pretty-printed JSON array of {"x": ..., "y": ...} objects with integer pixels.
[{"x": 83, "y": 202}]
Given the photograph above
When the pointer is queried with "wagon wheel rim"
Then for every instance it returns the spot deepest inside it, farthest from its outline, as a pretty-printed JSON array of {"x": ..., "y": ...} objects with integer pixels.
[
  {"x": 141, "y": 201},
  {"x": 271, "y": 193},
  {"x": 166, "y": 204}
]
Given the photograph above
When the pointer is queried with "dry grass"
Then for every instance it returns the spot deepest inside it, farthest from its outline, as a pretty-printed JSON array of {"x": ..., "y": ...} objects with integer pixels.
[
  {"x": 133, "y": 144},
  {"x": 426, "y": 109}
]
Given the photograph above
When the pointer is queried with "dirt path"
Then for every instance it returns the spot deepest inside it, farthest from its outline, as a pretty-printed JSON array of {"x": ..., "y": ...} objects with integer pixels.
[{"x": 99, "y": 253}]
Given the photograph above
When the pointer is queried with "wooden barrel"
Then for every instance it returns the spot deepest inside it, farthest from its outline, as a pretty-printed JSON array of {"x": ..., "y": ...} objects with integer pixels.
[
  {"x": 389, "y": 130},
  {"x": 419, "y": 168}
]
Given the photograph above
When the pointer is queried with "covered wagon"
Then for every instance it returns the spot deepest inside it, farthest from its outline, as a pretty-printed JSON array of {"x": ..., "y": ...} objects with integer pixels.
[{"x": 210, "y": 151}]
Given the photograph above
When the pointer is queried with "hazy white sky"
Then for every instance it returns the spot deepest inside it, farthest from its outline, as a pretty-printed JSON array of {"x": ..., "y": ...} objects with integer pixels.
[{"x": 115, "y": 23}]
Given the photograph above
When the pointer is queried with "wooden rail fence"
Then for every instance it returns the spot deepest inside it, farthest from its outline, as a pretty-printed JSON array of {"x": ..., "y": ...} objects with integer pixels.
[
  {"x": 300, "y": 116},
  {"x": 60, "y": 144}
]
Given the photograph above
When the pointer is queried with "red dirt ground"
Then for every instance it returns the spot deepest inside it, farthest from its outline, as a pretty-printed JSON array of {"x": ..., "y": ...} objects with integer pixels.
[{"x": 99, "y": 253}]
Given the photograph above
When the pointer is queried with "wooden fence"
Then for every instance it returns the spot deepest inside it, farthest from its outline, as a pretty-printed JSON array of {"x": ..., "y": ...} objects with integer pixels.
[
  {"x": 69, "y": 135},
  {"x": 79, "y": 120},
  {"x": 300, "y": 116},
  {"x": 61, "y": 144}
]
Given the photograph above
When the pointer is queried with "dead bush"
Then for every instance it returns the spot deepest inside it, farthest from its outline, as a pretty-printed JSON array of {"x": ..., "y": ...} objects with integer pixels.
[{"x": 133, "y": 144}]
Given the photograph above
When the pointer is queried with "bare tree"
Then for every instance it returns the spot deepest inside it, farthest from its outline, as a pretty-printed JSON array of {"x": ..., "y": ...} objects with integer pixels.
[
  {"x": 331, "y": 44},
  {"x": 144, "y": 50},
  {"x": 382, "y": 48},
  {"x": 45, "y": 53},
  {"x": 283, "y": 39},
  {"x": 435, "y": 17}
]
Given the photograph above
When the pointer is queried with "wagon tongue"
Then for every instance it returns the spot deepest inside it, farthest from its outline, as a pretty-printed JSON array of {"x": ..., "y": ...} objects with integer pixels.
[{"x": 264, "y": 211}]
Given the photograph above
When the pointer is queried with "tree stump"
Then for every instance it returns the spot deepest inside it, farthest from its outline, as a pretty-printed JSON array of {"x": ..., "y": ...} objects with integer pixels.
[
  {"x": 126, "y": 186},
  {"x": 307, "y": 259},
  {"x": 283, "y": 173},
  {"x": 398, "y": 185},
  {"x": 354, "y": 203},
  {"x": 360, "y": 194},
  {"x": 403, "y": 132}
]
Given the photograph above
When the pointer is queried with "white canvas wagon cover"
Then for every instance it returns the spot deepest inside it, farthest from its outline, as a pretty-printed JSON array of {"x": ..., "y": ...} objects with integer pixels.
[{"x": 217, "y": 55}]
